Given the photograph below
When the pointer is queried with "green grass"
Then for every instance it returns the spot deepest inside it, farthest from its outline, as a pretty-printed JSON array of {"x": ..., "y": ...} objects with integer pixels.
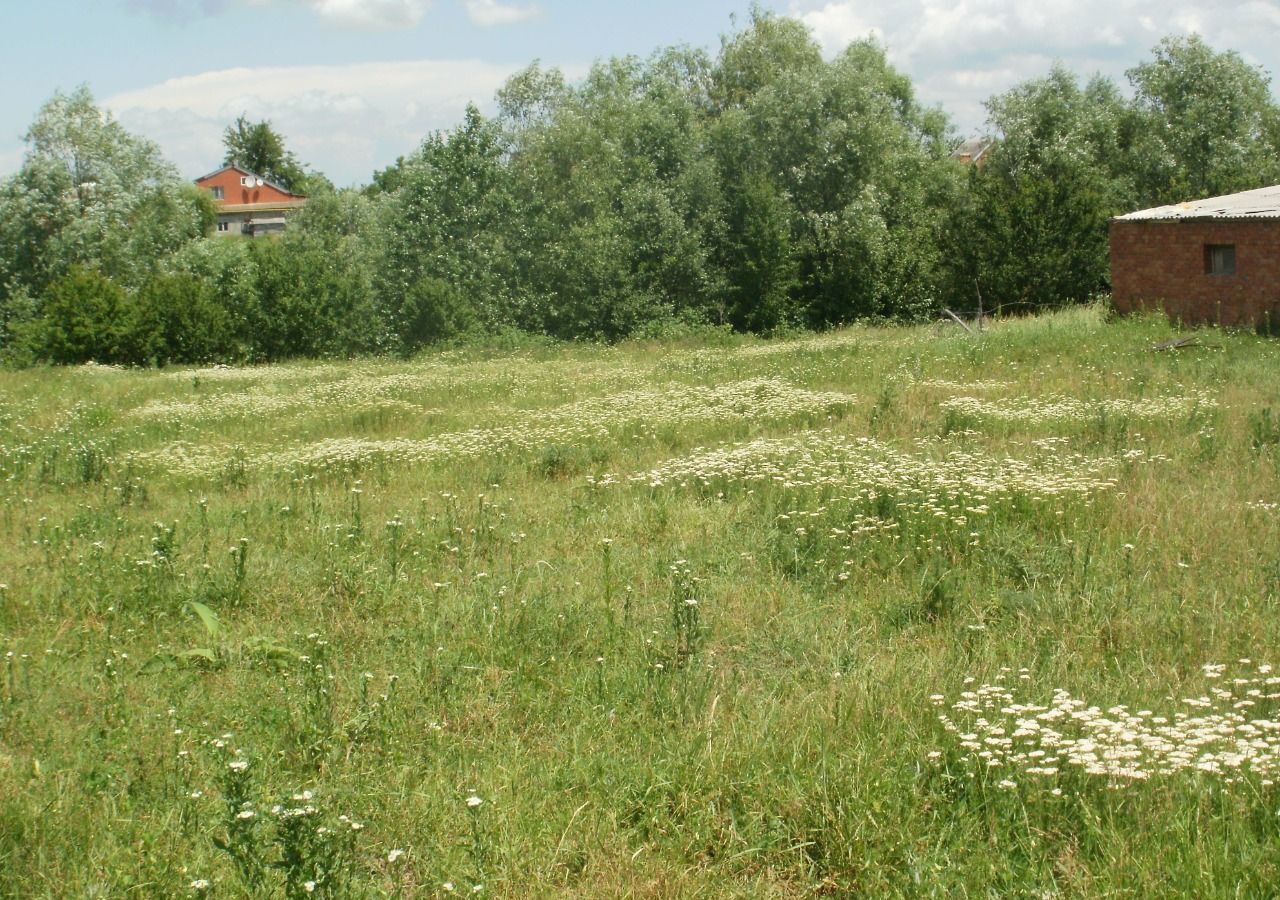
[{"x": 713, "y": 678}]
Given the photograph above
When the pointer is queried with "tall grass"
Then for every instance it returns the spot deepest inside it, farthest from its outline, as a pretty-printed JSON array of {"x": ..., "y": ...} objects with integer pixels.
[{"x": 695, "y": 620}]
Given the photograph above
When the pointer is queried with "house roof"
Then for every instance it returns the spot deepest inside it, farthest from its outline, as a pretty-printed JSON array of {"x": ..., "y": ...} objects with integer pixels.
[
  {"x": 1263, "y": 203},
  {"x": 973, "y": 149},
  {"x": 244, "y": 171}
]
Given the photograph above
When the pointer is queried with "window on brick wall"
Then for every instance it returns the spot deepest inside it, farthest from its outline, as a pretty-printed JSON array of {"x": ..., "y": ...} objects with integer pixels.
[
  {"x": 1220, "y": 259},
  {"x": 217, "y": 192}
]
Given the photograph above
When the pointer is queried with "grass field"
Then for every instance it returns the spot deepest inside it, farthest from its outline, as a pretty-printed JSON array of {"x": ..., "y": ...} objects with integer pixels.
[{"x": 891, "y": 612}]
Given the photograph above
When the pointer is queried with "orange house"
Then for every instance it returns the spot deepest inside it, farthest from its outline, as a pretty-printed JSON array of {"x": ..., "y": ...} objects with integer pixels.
[{"x": 248, "y": 204}]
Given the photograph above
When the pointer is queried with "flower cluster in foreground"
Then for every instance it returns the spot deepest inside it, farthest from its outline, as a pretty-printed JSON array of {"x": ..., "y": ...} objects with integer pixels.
[{"x": 1231, "y": 731}]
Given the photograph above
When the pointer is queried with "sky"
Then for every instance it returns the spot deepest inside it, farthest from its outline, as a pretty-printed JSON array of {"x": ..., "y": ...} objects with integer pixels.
[{"x": 353, "y": 84}]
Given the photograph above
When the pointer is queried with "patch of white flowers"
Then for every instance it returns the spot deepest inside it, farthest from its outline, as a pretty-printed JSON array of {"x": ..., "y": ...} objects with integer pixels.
[
  {"x": 761, "y": 399},
  {"x": 1231, "y": 732},
  {"x": 823, "y": 459},
  {"x": 273, "y": 391},
  {"x": 1059, "y": 409}
]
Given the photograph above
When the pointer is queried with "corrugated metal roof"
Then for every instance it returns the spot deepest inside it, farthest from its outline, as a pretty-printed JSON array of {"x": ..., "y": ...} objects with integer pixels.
[{"x": 1263, "y": 203}]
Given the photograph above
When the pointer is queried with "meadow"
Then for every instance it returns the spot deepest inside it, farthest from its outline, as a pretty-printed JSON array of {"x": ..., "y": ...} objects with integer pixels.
[{"x": 875, "y": 612}]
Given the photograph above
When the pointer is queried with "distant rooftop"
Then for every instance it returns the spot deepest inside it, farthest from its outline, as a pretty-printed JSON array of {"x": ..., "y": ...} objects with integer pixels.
[
  {"x": 1263, "y": 203},
  {"x": 973, "y": 150}
]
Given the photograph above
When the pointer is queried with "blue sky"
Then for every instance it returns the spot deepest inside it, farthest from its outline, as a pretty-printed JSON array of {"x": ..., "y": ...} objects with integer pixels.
[{"x": 354, "y": 83}]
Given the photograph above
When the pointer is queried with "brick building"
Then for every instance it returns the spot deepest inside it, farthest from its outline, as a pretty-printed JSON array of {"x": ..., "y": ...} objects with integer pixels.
[
  {"x": 1214, "y": 260},
  {"x": 247, "y": 204}
]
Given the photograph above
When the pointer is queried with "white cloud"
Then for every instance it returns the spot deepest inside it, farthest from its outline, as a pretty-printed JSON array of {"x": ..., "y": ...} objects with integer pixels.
[
  {"x": 180, "y": 10},
  {"x": 366, "y": 14},
  {"x": 836, "y": 24},
  {"x": 344, "y": 120},
  {"x": 490, "y": 12},
  {"x": 960, "y": 52},
  {"x": 371, "y": 13}
]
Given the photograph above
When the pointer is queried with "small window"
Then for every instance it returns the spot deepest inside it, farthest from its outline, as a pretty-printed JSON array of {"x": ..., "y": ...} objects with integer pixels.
[
  {"x": 224, "y": 226},
  {"x": 1220, "y": 259},
  {"x": 217, "y": 192}
]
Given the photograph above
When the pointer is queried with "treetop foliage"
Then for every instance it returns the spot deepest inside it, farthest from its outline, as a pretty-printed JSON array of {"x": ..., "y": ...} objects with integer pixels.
[
  {"x": 90, "y": 194},
  {"x": 762, "y": 188},
  {"x": 1208, "y": 124},
  {"x": 258, "y": 148}
]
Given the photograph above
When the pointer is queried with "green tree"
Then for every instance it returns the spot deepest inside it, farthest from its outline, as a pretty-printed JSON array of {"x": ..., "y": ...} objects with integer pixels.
[
  {"x": 229, "y": 270},
  {"x": 1035, "y": 233},
  {"x": 618, "y": 195},
  {"x": 257, "y": 147},
  {"x": 760, "y": 255},
  {"x": 843, "y": 156},
  {"x": 768, "y": 49},
  {"x": 388, "y": 180},
  {"x": 442, "y": 235},
  {"x": 1207, "y": 123},
  {"x": 765, "y": 188},
  {"x": 530, "y": 98},
  {"x": 89, "y": 194},
  {"x": 334, "y": 245}
]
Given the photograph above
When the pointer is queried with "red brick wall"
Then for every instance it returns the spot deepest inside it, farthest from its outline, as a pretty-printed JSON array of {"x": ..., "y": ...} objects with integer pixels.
[
  {"x": 234, "y": 192},
  {"x": 1156, "y": 264}
]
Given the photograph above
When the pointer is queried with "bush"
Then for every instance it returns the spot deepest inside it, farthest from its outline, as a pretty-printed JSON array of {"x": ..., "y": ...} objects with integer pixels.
[
  {"x": 178, "y": 319},
  {"x": 83, "y": 316},
  {"x": 434, "y": 310}
]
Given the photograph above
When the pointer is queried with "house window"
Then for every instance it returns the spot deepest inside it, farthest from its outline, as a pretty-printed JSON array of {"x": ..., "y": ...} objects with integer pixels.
[
  {"x": 224, "y": 226},
  {"x": 1220, "y": 259},
  {"x": 217, "y": 192}
]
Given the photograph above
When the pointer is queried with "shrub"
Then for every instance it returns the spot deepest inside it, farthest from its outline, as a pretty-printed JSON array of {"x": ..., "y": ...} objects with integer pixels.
[
  {"x": 433, "y": 310},
  {"x": 178, "y": 319},
  {"x": 83, "y": 316}
]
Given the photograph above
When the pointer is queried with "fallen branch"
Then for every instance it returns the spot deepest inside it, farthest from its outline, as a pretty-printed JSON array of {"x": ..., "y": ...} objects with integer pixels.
[
  {"x": 1175, "y": 344},
  {"x": 958, "y": 319}
]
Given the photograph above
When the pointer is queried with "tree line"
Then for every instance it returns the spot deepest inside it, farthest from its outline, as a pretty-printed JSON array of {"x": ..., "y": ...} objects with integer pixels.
[{"x": 762, "y": 188}]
